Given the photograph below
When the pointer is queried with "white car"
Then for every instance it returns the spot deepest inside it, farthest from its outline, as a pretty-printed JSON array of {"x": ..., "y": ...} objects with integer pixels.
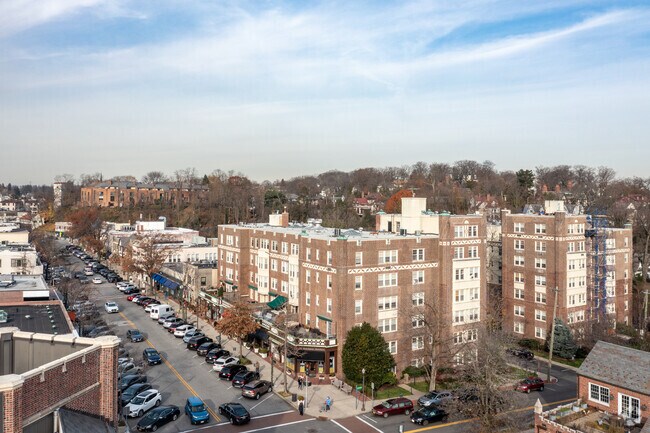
[
  {"x": 126, "y": 287},
  {"x": 121, "y": 284},
  {"x": 143, "y": 402},
  {"x": 89, "y": 273},
  {"x": 181, "y": 330},
  {"x": 97, "y": 280},
  {"x": 224, "y": 361},
  {"x": 111, "y": 307}
]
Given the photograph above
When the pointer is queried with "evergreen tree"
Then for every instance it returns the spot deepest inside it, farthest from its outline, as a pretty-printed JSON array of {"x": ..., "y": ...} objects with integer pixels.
[
  {"x": 564, "y": 345},
  {"x": 366, "y": 348}
]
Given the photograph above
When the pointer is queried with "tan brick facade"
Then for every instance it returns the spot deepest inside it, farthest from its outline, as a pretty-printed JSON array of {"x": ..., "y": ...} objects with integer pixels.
[{"x": 127, "y": 194}]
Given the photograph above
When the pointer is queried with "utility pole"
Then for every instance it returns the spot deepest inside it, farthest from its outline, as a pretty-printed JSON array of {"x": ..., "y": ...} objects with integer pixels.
[
  {"x": 645, "y": 310},
  {"x": 550, "y": 346}
]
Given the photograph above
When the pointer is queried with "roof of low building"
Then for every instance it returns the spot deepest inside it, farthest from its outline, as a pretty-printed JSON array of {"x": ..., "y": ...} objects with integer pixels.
[
  {"x": 618, "y": 365},
  {"x": 46, "y": 318}
]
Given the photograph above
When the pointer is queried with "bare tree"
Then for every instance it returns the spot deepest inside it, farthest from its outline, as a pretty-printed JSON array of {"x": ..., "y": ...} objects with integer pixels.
[
  {"x": 237, "y": 322},
  {"x": 146, "y": 254},
  {"x": 155, "y": 177}
]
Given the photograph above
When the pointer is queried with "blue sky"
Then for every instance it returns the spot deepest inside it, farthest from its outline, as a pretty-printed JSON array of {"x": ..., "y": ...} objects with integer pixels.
[{"x": 279, "y": 89}]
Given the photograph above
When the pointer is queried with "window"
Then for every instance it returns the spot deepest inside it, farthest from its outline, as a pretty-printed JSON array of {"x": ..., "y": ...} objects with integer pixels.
[
  {"x": 518, "y": 328},
  {"x": 540, "y": 280},
  {"x": 392, "y": 347},
  {"x": 472, "y": 252},
  {"x": 386, "y": 303},
  {"x": 317, "y": 300},
  {"x": 459, "y": 316},
  {"x": 459, "y": 232},
  {"x": 285, "y": 248},
  {"x": 329, "y": 281},
  {"x": 540, "y": 315},
  {"x": 418, "y": 255},
  {"x": 540, "y": 332},
  {"x": 317, "y": 255},
  {"x": 418, "y": 277},
  {"x": 458, "y": 337},
  {"x": 540, "y": 297},
  {"x": 519, "y": 227},
  {"x": 417, "y": 343},
  {"x": 358, "y": 282},
  {"x": 540, "y": 228},
  {"x": 519, "y": 293},
  {"x": 459, "y": 253},
  {"x": 519, "y": 311},
  {"x": 459, "y": 274},
  {"x": 417, "y": 299},
  {"x": 519, "y": 277},
  {"x": 329, "y": 257},
  {"x": 307, "y": 298},
  {"x": 599, "y": 393},
  {"x": 329, "y": 305},
  {"x": 387, "y": 280},
  {"x": 358, "y": 258},
  {"x": 307, "y": 319},
  {"x": 519, "y": 244},
  {"x": 540, "y": 246},
  {"x": 519, "y": 260},
  {"x": 203, "y": 281},
  {"x": 417, "y": 321},
  {"x": 387, "y": 325},
  {"x": 284, "y": 267},
  {"x": 389, "y": 256},
  {"x": 465, "y": 231},
  {"x": 473, "y": 315},
  {"x": 540, "y": 263},
  {"x": 459, "y": 295},
  {"x": 308, "y": 276},
  {"x": 474, "y": 293}
]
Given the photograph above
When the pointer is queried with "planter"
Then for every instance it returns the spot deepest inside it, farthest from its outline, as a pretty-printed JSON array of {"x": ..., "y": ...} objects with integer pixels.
[
  {"x": 263, "y": 354},
  {"x": 553, "y": 417},
  {"x": 583, "y": 406},
  {"x": 576, "y": 408},
  {"x": 256, "y": 349}
]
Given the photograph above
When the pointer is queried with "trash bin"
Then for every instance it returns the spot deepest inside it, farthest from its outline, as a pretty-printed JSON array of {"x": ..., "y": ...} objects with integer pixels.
[{"x": 294, "y": 397}]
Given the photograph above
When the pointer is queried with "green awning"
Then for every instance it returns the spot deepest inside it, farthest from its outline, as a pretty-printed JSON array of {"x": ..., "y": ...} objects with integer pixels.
[
  {"x": 277, "y": 302},
  {"x": 327, "y": 319},
  {"x": 252, "y": 287}
]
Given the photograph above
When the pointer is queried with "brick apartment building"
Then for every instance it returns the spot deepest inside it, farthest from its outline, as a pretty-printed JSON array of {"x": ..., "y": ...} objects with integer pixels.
[
  {"x": 335, "y": 279},
  {"x": 545, "y": 250},
  {"x": 129, "y": 194}
]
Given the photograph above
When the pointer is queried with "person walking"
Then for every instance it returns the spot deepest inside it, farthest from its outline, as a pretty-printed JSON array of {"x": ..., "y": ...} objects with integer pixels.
[
  {"x": 257, "y": 367},
  {"x": 299, "y": 382},
  {"x": 301, "y": 408},
  {"x": 328, "y": 403}
]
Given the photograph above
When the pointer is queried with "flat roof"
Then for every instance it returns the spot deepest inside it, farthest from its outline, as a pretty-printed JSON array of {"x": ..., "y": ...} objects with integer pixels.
[
  {"x": 320, "y": 232},
  {"x": 41, "y": 318}
]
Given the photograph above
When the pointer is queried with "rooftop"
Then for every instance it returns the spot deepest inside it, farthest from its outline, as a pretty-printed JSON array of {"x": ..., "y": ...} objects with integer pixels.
[
  {"x": 23, "y": 283},
  {"x": 46, "y": 318},
  {"x": 618, "y": 365}
]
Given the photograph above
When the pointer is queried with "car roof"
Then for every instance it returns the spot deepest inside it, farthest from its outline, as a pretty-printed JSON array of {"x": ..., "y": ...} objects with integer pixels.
[{"x": 194, "y": 400}]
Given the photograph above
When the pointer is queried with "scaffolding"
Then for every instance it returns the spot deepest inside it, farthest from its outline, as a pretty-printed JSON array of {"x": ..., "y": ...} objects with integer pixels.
[{"x": 597, "y": 231}]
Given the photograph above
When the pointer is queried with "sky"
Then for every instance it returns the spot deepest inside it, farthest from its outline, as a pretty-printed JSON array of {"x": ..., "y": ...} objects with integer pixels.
[{"x": 277, "y": 89}]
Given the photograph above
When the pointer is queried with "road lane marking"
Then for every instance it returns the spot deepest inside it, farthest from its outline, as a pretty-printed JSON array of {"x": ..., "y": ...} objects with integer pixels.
[
  {"x": 173, "y": 370},
  {"x": 349, "y": 431},
  {"x": 369, "y": 425},
  {"x": 369, "y": 419},
  {"x": 465, "y": 421},
  {"x": 261, "y": 401},
  {"x": 278, "y": 425}
]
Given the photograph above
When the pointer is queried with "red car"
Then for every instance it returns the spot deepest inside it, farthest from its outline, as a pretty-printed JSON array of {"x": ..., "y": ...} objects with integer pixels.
[
  {"x": 530, "y": 384},
  {"x": 393, "y": 406}
]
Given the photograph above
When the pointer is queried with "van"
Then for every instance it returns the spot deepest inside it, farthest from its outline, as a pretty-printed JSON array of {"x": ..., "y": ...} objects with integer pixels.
[{"x": 157, "y": 310}]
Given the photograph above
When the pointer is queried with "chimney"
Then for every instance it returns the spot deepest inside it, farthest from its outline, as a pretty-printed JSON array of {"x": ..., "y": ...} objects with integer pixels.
[{"x": 285, "y": 218}]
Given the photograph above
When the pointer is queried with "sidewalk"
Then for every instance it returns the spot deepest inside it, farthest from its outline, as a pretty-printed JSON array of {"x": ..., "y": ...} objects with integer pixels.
[{"x": 343, "y": 405}]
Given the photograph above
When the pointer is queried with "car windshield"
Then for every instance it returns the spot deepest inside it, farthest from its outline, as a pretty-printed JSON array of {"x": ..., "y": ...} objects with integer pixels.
[
  {"x": 130, "y": 392},
  {"x": 138, "y": 400},
  {"x": 198, "y": 408},
  {"x": 239, "y": 410},
  {"x": 386, "y": 404}
]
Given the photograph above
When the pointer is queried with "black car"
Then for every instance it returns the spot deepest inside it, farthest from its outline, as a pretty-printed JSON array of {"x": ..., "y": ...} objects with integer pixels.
[
  {"x": 428, "y": 414},
  {"x": 131, "y": 379},
  {"x": 196, "y": 341},
  {"x": 158, "y": 417},
  {"x": 134, "y": 335},
  {"x": 235, "y": 412},
  {"x": 244, "y": 377},
  {"x": 522, "y": 353},
  {"x": 133, "y": 390},
  {"x": 131, "y": 291},
  {"x": 230, "y": 371},
  {"x": 103, "y": 272},
  {"x": 215, "y": 354},
  {"x": 206, "y": 347},
  {"x": 256, "y": 389},
  {"x": 151, "y": 356}
]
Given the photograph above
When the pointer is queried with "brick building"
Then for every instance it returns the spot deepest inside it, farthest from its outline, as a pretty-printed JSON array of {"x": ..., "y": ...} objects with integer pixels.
[
  {"x": 547, "y": 250},
  {"x": 42, "y": 373},
  {"x": 332, "y": 279},
  {"x": 613, "y": 389},
  {"x": 128, "y": 194}
]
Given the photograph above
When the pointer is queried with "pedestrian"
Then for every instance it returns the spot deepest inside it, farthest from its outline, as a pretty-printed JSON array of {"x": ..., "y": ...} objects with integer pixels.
[
  {"x": 328, "y": 403},
  {"x": 299, "y": 382},
  {"x": 301, "y": 408},
  {"x": 257, "y": 367}
]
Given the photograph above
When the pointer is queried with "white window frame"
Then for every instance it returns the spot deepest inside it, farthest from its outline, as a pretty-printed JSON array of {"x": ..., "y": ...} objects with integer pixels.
[{"x": 594, "y": 387}]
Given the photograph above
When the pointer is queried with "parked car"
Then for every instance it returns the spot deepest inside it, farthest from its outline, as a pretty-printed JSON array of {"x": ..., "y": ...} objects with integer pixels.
[
  {"x": 435, "y": 398},
  {"x": 215, "y": 354},
  {"x": 131, "y": 291},
  {"x": 223, "y": 362},
  {"x": 256, "y": 389},
  {"x": 158, "y": 417},
  {"x": 111, "y": 307},
  {"x": 127, "y": 368},
  {"x": 120, "y": 284},
  {"x": 151, "y": 356},
  {"x": 196, "y": 341},
  {"x": 428, "y": 414},
  {"x": 230, "y": 371},
  {"x": 98, "y": 330},
  {"x": 129, "y": 380},
  {"x": 207, "y": 346},
  {"x": 530, "y": 384},
  {"x": 88, "y": 272},
  {"x": 171, "y": 321},
  {"x": 244, "y": 377},
  {"x": 133, "y": 390},
  {"x": 174, "y": 325},
  {"x": 149, "y": 306},
  {"x": 196, "y": 411},
  {"x": 393, "y": 406},
  {"x": 134, "y": 335},
  {"x": 522, "y": 353},
  {"x": 97, "y": 280},
  {"x": 84, "y": 280},
  {"x": 180, "y": 331},
  {"x": 191, "y": 332},
  {"x": 143, "y": 402},
  {"x": 235, "y": 412},
  {"x": 125, "y": 286}
]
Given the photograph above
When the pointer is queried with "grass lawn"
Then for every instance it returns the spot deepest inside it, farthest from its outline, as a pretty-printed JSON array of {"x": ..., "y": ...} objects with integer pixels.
[
  {"x": 544, "y": 356},
  {"x": 393, "y": 391},
  {"x": 422, "y": 386}
]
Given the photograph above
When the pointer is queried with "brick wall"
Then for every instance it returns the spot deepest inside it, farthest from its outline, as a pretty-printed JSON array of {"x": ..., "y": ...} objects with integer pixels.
[
  {"x": 12, "y": 411},
  {"x": 614, "y": 391}
]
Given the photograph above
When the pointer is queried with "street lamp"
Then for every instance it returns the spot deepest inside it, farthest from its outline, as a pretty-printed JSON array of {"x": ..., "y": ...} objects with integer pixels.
[{"x": 363, "y": 387}]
